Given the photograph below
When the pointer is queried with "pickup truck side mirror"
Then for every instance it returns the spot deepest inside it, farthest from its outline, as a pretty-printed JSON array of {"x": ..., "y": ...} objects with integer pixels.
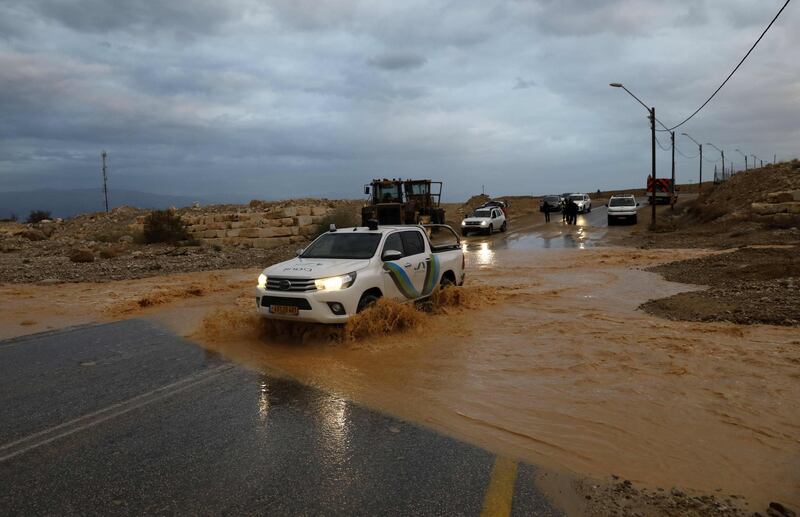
[
  {"x": 606, "y": 205},
  {"x": 637, "y": 203},
  {"x": 390, "y": 255},
  {"x": 299, "y": 251}
]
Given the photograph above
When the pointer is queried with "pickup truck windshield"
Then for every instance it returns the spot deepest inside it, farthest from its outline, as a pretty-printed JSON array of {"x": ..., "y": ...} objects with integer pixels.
[
  {"x": 552, "y": 199},
  {"x": 576, "y": 197},
  {"x": 482, "y": 213},
  {"x": 341, "y": 245},
  {"x": 623, "y": 201}
]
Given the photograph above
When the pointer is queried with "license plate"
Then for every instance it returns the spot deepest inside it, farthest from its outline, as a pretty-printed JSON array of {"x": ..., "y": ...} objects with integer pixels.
[{"x": 283, "y": 309}]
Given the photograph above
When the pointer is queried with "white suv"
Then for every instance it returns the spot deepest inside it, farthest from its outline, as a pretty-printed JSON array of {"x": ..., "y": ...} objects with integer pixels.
[
  {"x": 622, "y": 208},
  {"x": 583, "y": 202},
  {"x": 486, "y": 219}
]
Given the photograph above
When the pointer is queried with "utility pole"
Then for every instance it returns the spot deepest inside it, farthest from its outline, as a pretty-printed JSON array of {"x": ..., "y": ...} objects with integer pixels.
[
  {"x": 672, "y": 199},
  {"x": 745, "y": 163},
  {"x": 700, "y": 186},
  {"x": 774, "y": 159},
  {"x": 715, "y": 173},
  {"x": 653, "y": 173},
  {"x": 105, "y": 179}
]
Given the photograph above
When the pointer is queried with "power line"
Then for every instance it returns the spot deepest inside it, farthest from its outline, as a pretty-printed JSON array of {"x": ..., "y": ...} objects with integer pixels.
[
  {"x": 734, "y": 70},
  {"x": 689, "y": 157},
  {"x": 661, "y": 146}
]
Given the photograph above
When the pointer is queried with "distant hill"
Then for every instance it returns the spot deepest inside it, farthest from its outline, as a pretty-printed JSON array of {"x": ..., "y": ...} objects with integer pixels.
[{"x": 67, "y": 203}]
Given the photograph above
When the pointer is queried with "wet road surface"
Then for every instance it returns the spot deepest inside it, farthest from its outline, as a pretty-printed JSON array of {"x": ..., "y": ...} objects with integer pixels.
[
  {"x": 127, "y": 418},
  {"x": 527, "y": 233}
]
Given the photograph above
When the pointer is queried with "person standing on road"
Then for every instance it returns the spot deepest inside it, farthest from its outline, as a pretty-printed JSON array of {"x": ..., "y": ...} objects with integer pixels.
[
  {"x": 546, "y": 213},
  {"x": 572, "y": 212},
  {"x": 563, "y": 210}
]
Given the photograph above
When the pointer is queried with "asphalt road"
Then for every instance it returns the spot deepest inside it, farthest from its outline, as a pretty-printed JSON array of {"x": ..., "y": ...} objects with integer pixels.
[{"x": 126, "y": 418}]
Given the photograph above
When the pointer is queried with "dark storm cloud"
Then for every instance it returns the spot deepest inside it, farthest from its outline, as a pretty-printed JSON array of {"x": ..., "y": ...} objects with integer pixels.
[
  {"x": 397, "y": 61},
  {"x": 300, "y": 97}
]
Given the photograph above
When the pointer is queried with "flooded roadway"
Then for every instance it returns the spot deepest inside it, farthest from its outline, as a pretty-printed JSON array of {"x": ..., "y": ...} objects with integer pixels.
[
  {"x": 557, "y": 369},
  {"x": 126, "y": 418}
]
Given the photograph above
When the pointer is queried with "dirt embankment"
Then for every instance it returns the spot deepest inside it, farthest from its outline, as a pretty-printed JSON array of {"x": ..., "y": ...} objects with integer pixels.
[
  {"x": 102, "y": 246},
  {"x": 749, "y": 285},
  {"x": 755, "y": 212}
]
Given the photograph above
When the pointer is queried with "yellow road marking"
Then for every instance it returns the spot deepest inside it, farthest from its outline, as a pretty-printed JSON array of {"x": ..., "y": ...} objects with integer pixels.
[{"x": 497, "y": 501}]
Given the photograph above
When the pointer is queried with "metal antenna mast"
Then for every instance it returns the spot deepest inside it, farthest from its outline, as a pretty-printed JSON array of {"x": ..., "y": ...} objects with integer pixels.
[{"x": 105, "y": 179}]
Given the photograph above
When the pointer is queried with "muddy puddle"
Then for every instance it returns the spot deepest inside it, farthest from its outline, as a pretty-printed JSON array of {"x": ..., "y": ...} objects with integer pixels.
[{"x": 545, "y": 358}]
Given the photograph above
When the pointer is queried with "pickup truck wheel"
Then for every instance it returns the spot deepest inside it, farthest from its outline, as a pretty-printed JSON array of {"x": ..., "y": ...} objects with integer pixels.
[
  {"x": 503, "y": 227},
  {"x": 446, "y": 282},
  {"x": 464, "y": 233},
  {"x": 490, "y": 230},
  {"x": 633, "y": 219},
  {"x": 365, "y": 301},
  {"x": 611, "y": 221},
  {"x": 589, "y": 209}
]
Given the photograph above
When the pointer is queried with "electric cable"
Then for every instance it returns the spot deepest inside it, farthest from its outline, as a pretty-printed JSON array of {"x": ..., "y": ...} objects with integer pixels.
[{"x": 734, "y": 70}]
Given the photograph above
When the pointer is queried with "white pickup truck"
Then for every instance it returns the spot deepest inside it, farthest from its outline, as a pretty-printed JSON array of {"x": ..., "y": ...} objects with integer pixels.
[{"x": 345, "y": 270}]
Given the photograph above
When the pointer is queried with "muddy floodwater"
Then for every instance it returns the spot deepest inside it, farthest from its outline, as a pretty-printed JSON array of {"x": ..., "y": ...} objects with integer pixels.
[
  {"x": 547, "y": 360},
  {"x": 560, "y": 369}
]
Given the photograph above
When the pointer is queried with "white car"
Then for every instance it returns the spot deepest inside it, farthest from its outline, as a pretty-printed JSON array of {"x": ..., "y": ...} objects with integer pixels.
[
  {"x": 485, "y": 220},
  {"x": 345, "y": 270},
  {"x": 583, "y": 202},
  {"x": 622, "y": 208}
]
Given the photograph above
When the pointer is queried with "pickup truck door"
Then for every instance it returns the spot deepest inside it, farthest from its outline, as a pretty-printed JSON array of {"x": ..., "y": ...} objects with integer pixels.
[
  {"x": 419, "y": 259},
  {"x": 397, "y": 283},
  {"x": 406, "y": 278}
]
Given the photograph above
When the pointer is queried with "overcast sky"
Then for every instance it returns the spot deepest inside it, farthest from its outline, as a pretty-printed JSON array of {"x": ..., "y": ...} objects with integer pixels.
[{"x": 286, "y": 98}]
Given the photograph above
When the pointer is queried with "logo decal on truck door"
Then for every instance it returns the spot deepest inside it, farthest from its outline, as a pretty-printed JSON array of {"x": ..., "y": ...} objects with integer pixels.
[{"x": 403, "y": 282}]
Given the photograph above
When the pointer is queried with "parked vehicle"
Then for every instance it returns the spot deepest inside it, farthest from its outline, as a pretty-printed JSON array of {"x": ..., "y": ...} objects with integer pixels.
[
  {"x": 551, "y": 203},
  {"x": 343, "y": 271},
  {"x": 665, "y": 191},
  {"x": 583, "y": 202},
  {"x": 622, "y": 208},
  {"x": 485, "y": 220}
]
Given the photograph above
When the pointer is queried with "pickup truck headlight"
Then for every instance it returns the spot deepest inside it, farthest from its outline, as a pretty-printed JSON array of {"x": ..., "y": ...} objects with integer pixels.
[
  {"x": 463, "y": 223},
  {"x": 484, "y": 223},
  {"x": 334, "y": 283},
  {"x": 262, "y": 281}
]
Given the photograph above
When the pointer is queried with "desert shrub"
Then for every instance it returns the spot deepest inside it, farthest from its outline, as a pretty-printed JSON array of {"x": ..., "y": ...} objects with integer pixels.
[
  {"x": 164, "y": 226},
  {"x": 37, "y": 216},
  {"x": 343, "y": 216},
  {"x": 81, "y": 255}
]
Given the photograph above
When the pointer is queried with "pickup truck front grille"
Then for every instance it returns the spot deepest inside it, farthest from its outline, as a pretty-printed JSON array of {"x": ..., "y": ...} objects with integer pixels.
[
  {"x": 300, "y": 303},
  {"x": 473, "y": 223},
  {"x": 275, "y": 283}
]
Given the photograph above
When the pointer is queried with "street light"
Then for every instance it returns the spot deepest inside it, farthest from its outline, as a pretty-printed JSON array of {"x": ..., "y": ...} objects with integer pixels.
[
  {"x": 745, "y": 159},
  {"x": 723, "y": 158},
  {"x": 652, "y": 112},
  {"x": 700, "y": 146}
]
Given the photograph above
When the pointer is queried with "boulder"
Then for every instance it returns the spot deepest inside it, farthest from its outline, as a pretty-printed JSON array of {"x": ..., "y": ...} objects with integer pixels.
[
  {"x": 32, "y": 234},
  {"x": 81, "y": 255},
  {"x": 780, "y": 197}
]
